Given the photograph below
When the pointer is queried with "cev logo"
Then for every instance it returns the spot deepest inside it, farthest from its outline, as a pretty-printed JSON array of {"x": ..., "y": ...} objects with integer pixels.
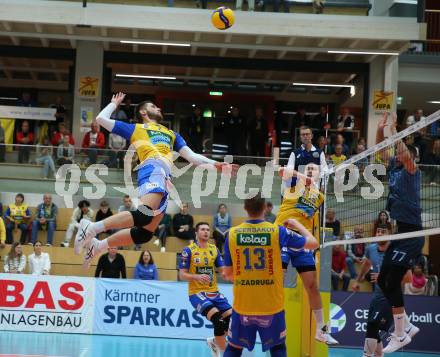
[{"x": 337, "y": 318}]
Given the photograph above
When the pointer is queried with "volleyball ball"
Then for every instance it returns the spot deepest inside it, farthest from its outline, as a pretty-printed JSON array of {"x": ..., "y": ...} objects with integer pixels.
[{"x": 223, "y": 18}]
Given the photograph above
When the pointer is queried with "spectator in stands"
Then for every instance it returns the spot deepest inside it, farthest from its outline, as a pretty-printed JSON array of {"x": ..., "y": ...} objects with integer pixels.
[
  {"x": 119, "y": 114},
  {"x": 418, "y": 284},
  {"x": 2, "y": 143},
  {"x": 235, "y": 132},
  {"x": 338, "y": 268},
  {"x": 39, "y": 262},
  {"x": 373, "y": 259},
  {"x": 61, "y": 110},
  {"x": 321, "y": 143},
  {"x": 417, "y": 116},
  {"x": 44, "y": 157},
  {"x": 24, "y": 137},
  {"x": 15, "y": 261},
  {"x": 163, "y": 231},
  {"x": 258, "y": 133},
  {"x": 82, "y": 211},
  {"x": 17, "y": 216},
  {"x": 383, "y": 219},
  {"x": 202, "y": 3},
  {"x": 26, "y": 100},
  {"x": 332, "y": 222},
  {"x": 183, "y": 224},
  {"x": 432, "y": 172},
  {"x": 145, "y": 269},
  {"x": 128, "y": 108},
  {"x": 62, "y": 133},
  {"x": 355, "y": 252},
  {"x": 2, "y": 233},
  {"x": 268, "y": 215},
  {"x": 362, "y": 163},
  {"x": 222, "y": 225},
  {"x": 340, "y": 140},
  {"x": 338, "y": 157},
  {"x": 117, "y": 145},
  {"x": 111, "y": 265},
  {"x": 103, "y": 213},
  {"x": 196, "y": 129},
  {"x": 344, "y": 125},
  {"x": 65, "y": 153},
  {"x": 93, "y": 141},
  {"x": 127, "y": 205},
  {"x": 320, "y": 122},
  {"x": 239, "y": 4},
  {"x": 45, "y": 219}
]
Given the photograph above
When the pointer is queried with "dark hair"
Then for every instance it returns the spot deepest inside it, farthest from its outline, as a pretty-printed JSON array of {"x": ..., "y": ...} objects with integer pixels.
[
  {"x": 20, "y": 195},
  {"x": 38, "y": 241},
  {"x": 11, "y": 253},
  {"x": 126, "y": 196},
  {"x": 269, "y": 204},
  {"x": 83, "y": 203},
  {"x": 139, "y": 107},
  {"x": 201, "y": 224},
  {"x": 412, "y": 149},
  {"x": 383, "y": 211},
  {"x": 221, "y": 205},
  {"x": 255, "y": 205},
  {"x": 382, "y": 226},
  {"x": 305, "y": 127},
  {"x": 104, "y": 204},
  {"x": 141, "y": 258}
]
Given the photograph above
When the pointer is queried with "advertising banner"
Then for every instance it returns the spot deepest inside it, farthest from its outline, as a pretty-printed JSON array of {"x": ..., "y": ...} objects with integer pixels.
[
  {"x": 150, "y": 309},
  {"x": 46, "y": 303},
  {"x": 383, "y": 101},
  {"x": 30, "y": 113},
  {"x": 349, "y": 321},
  {"x": 88, "y": 87}
]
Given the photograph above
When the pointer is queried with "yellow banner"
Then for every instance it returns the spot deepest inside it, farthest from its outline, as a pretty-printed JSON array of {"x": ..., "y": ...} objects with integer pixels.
[
  {"x": 383, "y": 101},
  {"x": 8, "y": 126},
  {"x": 88, "y": 87}
]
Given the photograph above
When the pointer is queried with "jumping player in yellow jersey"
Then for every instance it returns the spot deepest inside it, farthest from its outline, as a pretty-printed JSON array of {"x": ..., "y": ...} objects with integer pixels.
[
  {"x": 302, "y": 203},
  {"x": 253, "y": 264},
  {"x": 197, "y": 266},
  {"x": 154, "y": 145}
]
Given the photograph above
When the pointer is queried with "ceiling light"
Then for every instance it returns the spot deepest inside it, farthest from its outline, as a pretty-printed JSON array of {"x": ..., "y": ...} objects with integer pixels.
[
  {"x": 351, "y": 86},
  {"x": 142, "y": 76},
  {"x": 434, "y": 102},
  {"x": 364, "y": 53},
  {"x": 154, "y": 43},
  {"x": 8, "y": 98}
]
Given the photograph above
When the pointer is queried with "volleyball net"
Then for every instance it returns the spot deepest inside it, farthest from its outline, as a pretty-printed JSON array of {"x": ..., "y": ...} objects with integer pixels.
[{"x": 361, "y": 191}]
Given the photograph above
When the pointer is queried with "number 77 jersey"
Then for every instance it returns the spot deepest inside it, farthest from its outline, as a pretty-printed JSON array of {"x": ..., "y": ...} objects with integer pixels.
[{"x": 253, "y": 249}]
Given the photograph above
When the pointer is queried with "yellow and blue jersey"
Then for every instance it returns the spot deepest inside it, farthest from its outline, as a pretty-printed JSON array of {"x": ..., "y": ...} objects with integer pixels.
[
  {"x": 253, "y": 249},
  {"x": 17, "y": 212},
  {"x": 198, "y": 260},
  {"x": 301, "y": 203},
  {"x": 152, "y": 140}
]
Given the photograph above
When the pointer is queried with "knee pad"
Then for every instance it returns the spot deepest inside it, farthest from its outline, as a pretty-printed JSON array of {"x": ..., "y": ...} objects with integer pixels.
[
  {"x": 226, "y": 321},
  {"x": 373, "y": 330},
  {"x": 142, "y": 216},
  {"x": 219, "y": 324},
  {"x": 140, "y": 235},
  {"x": 284, "y": 265},
  {"x": 278, "y": 350}
]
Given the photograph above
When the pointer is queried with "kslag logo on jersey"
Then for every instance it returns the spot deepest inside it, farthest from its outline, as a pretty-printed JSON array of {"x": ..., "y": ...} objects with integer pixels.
[
  {"x": 253, "y": 239},
  {"x": 338, "y": 319}
]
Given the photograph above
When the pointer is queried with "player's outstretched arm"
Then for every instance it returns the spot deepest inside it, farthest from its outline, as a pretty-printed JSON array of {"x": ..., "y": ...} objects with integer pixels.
[
  {"x": 310, "y": 240},
  {"x": 198, "y": 160},
  {"x": 103, "y": 118}
]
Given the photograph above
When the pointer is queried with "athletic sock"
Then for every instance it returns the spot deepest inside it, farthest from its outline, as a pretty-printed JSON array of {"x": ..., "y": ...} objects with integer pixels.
[
  {"x": 103, "y": 245},
  {"x": 370, "y": 346},
  {"x": 319, "y": 318},
  {"x": 98, "y": 227},
  {"x": 407, "y": 322},
  {"x": 399, "y": 324},
  {"x": 379, "y": 350},
  {"x": 232, "y": 351}
]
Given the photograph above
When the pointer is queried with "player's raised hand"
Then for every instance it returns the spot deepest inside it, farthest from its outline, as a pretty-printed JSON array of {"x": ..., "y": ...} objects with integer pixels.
[
  {"x": 203, "y": 278},
  {"x": 118, "y": 98},
  {"x": 292, "y": 224},
  {"x": 226, "y": 168},
  {"x": 393, "y": 125},
  {"x": 383, "y": 122}
]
